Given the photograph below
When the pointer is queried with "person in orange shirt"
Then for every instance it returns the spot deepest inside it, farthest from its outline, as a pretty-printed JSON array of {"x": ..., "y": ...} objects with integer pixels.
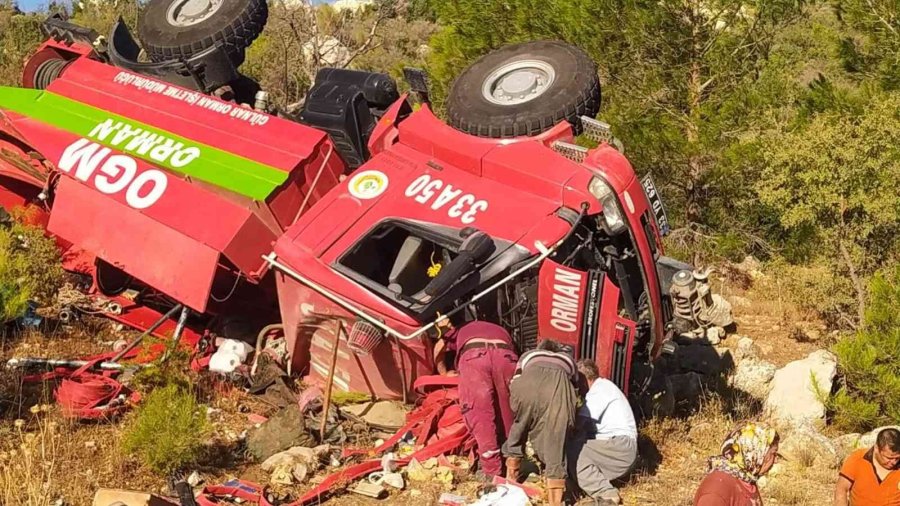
[{"x": 871, "y": 477}]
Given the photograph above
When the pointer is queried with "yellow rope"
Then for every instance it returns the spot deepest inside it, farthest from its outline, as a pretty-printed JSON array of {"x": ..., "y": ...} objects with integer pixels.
[{"x": 435, "y": 268}]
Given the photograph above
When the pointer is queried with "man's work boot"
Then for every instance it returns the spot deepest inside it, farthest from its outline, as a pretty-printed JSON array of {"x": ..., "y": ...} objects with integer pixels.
[
  {"x": 513, "y": 466},
  {"x": 555, "y": 490},
  {"x": 610, "y": 497}
]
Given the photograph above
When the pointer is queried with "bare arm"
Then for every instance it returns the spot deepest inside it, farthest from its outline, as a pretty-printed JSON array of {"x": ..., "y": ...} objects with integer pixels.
[
  {"x": 440, "y": 348},
  {"x": 842, "y": 491},
  {"x": 440, "y": 352}
]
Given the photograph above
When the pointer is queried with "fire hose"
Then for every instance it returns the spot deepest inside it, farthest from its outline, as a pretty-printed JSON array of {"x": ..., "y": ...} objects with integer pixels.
[
  {"x": 87, "y": 395},
  {"x": 90, "y": 396}
]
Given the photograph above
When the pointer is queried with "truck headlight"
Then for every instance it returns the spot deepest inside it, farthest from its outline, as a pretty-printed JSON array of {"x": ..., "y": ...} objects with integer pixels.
[{"x": 612, "y": 212}]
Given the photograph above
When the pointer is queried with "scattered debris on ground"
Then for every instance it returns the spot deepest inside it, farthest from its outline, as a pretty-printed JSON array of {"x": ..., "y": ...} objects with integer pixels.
[{"x": 270, "y": 438}]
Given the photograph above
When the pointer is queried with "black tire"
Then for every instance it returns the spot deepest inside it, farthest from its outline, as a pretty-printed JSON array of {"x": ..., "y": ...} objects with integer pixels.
[
  {"x": 574, "y": 92},
  {"x": 234, "y": 26}
]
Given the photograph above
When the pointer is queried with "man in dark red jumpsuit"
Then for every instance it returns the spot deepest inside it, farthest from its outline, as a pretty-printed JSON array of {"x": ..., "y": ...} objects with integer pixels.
[{"x": 485, "y": 362}]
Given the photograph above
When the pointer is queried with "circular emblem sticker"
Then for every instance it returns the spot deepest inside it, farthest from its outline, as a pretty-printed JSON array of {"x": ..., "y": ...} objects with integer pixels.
[{"x": 368, "y": 184}]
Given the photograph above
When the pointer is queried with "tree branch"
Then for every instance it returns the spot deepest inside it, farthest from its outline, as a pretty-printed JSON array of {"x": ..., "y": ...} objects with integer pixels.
[
  {"x": 880, "y": 18},
  {"x": 368, "y": 44},
  {"x": 851, "y": 267}
]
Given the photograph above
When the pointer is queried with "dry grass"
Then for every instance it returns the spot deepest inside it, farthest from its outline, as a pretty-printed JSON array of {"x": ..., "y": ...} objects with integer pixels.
[
  {"x": 783, "y": 331},
  {"x": 71, "y": 461},
  {"x": 674, "y": 453},
  {"x": 685, "y": 444},
  {"x": 44, "y": 458},
  {"x": 784, "y": 492},
  {"x": 29, "y": 463},
  {"x": 795, "y": 484},
  {"x": 805, "y": 457}
]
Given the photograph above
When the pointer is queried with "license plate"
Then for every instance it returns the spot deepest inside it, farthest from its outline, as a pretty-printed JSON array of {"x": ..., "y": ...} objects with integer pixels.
[{"x": 656, "y": 204}]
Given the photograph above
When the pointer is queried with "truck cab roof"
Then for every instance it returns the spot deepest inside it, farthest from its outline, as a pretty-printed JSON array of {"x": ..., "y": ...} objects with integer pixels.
[{"x": 375, "y": 237}]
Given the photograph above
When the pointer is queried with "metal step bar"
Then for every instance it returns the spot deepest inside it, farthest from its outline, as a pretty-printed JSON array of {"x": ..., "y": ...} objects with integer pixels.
[{"x": 599, "y": 131}]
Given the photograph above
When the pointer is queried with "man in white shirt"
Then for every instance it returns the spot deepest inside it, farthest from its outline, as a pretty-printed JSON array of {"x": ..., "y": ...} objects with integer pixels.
[{"x": 607, "y": 446}]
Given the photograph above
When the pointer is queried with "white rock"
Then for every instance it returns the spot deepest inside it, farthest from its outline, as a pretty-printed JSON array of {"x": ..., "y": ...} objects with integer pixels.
[
  {"x": 750, "y": 266},
  {"x": 868, "y": 440},
  {"x": 194, "y": 479},
  {"x": 296, "y": 455},
  {"x": 331, "y": 51},
  {"x": 846, "y": 444},
  {"x": 754, "y": 377},
  {"x": 300, "y": 472},
  {"x": 794, "y": 398},
  {"x": 746, "y": 348},
  {"x": 720, "y": 313},
  {"x": 804, "y": 445}
]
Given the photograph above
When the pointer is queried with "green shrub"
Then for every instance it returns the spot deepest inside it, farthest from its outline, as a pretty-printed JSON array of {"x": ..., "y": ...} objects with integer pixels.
[
  {"x": 870, "y": 362},
  {"x": 30, "y": 269},
  {"x": 168, "y": 431},
  {"x": 883, "y": 312},
  {"x": 340, "y": 398},
  {"x": 19, "y": 36},
  {"x": 174, "y": 371},
  {"x": 159, "y": 375},
  {"x": 852, "y": 413},
  {"x": 815, "y": 287}
]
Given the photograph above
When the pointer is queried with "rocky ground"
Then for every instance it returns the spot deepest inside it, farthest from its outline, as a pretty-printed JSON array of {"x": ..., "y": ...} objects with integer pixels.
[
  {"x": 767, "y": 353},
  {"x": 760, "y": 371}
]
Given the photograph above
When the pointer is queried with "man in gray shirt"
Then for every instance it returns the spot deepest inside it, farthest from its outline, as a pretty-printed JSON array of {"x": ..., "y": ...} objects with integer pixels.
[
  {"x": 543, "y": 397},
  {"x": 606, "y": 446}
]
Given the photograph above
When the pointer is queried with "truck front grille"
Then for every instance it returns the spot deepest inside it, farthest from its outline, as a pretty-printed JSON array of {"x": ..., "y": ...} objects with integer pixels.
[
  {"x": 620, "y": 359},
  {"x": 588, "y": 343}
]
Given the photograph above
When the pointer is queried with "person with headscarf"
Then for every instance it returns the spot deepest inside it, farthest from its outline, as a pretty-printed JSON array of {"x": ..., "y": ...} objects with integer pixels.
[{"x": 747, "y": 454}]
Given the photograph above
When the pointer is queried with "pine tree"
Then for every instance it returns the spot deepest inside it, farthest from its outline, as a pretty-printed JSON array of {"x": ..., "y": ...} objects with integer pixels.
[{"x": 676, "y": 73}]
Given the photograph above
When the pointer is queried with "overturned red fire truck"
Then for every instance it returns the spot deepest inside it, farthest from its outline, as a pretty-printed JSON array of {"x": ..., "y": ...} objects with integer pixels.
[{"x": 174, "y": 182}]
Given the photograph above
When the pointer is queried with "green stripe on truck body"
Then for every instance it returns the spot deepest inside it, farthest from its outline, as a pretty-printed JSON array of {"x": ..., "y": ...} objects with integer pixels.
[{"x": 153, "y": 145}]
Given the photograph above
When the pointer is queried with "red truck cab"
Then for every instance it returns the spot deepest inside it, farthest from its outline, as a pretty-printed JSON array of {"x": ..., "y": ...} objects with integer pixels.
[
  {"x": 369, "y": 244},
  {"x": 344, "y": 224}
]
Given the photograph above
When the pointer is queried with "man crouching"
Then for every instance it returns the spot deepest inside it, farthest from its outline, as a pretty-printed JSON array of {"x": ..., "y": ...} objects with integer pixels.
[
  {"x": 543, "y": 397},
  {"x": 605, "y": 445}
]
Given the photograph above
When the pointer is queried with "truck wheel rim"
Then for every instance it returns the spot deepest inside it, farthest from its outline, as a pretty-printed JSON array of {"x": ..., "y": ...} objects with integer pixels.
[
  {"x": 518, "y": 82},
  {"x": 192, "y": 12}
]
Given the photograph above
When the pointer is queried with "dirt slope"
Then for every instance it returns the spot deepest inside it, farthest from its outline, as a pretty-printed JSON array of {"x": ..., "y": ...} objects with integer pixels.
[{"x": 49, "y": 458}]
